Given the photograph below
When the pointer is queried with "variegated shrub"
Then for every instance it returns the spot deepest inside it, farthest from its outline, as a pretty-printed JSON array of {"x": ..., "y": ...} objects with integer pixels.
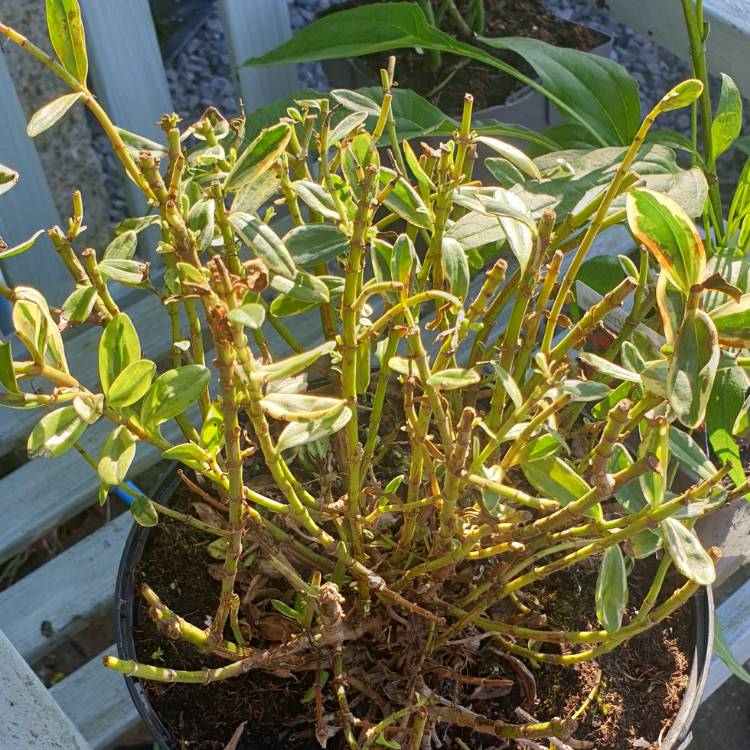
[{"x": 522, "y": 447}]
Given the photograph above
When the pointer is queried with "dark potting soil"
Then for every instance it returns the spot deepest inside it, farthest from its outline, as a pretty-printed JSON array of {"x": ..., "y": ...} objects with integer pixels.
[
  {"x": 641, "y": 689},
  {"x": 457, "y": 75}
]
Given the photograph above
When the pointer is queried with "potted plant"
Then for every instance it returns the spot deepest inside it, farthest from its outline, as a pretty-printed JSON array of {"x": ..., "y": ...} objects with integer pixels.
[
  {"x": 489, "y": 47},
  {"x": 441, "y": 551}
]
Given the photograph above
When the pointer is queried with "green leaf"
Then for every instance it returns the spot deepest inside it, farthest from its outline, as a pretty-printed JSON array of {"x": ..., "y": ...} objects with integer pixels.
[
  {"x": 189, "y": 454},
  {"x": 299, "y": 407},
  {"x": 89, "y": 406},
  {"x": 53, "y": 350},
  {"x": 302, "y": 287},
  {"x": 687, "y": 552},
  {"x": 512, "y": 154},
  {"x": 692, "y": 457},
  {"x": 7, "y": 374},
  {"x": 667, "y": 231},
  {"x": 8, "y": 178},
  {"x": 510, "y": 209},
  {"x": 78, "y": 306},
  {"x": 22, "y": 247},
  {"x": 727, "y": 122},
  {"x": 671, "y": 303},
  {"x": 285, "y": 368},
  {"x": 538, "y": 448},
  {"x": 31, "y": 326},
  {"x": 212, "y": 432},
  {"x": 455, "y": 267},
  {"x": 55, "y": 433},
  {"x": 123, "y": 246},
  {"x": 682, "y": 95},
  {"x": 250, "y": 315},
  {"x": 724, "y": 652},
  {"x": 317, "y": 198},
  {"x": 346, "y": 126},
  {"x": 45, "y": 117},
  {"x": 403, "y": 263},
  {"x": 135, "y": 143},
  {"x": 726, "y": 400},
  {"x": 475, "y": 229},
  {"x": 259, "y": 156},
  {"x": 131, "y": 384},
  {"x": 585, "y": 390},
  {"x": 453, "y": 379},
  {"x": 314, "y": 244},
  {"x": 173, "y": 393},
  {"x": 265, "y": 243},
  {"x": 630, "y": 496},
  {"x": 299, "y": 433},
  {"x": 600, "y": 90},
  {"x": 732, "y": 321},
  {"x": 692, "y": 368},
  {"x": 656, "y": 441},
  {"x": 201, "y": 221},
  {"x": 356, "y": 101},
  {"x": 587, "y": 173},
  {"x": 128, "y": 272},
  {"x": 287, "y": 611},
  {"x": 118, "y": 347},
  {"x": 609, "y": 368},
  {"x": 404, "y": 200},
  {"x": 143, "y": 511},
  {"x": 601, "y": 409},
  {"x": 116, "y": 455},
  {"x": 67, "y": 36},
  {"x": 554, "y": 478},
  {"x": 509, "y": 385},
  {"x": 611, "y": 595}
]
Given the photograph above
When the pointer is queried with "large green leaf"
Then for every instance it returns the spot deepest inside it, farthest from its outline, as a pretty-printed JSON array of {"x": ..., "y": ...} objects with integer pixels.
[
  {"x": 67, "y": 36},
  {"x": 692, "y": 368},
  {"x": 285, "y": 368},
  {"x": 118, "y": 347},
  {"x": 569, "y": 80},
  {"x": 666, "y": 230},
  {"x": 45, "y": 117},
  {"x": 555, "y": 479},
  {"x": 611, "y": 595},
  {"x": 55, "y": 433},
  {"x": 259, "y": 156},
  {"x": 687, "y": 553},
  {"x": 724, "y": 652},
  {"x": 173, "y": 393},
  {"x": 299, "y": 407},
  {"x": 7, "y": 373},
  {"x": 601, "y": 90}
]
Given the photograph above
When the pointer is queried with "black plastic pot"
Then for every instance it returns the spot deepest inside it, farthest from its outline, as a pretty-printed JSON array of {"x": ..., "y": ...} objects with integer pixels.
[{"x": 126, "y": 594}]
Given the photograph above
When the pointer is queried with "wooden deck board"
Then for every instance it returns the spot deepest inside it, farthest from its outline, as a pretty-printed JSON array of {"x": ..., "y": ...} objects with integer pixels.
[
  {"x": 45, "y": 594},
  {"x": 97, "y": 701}
]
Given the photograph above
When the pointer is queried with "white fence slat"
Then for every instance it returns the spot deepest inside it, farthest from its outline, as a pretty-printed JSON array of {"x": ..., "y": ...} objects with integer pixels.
[
  {"x": 97, "y": 701},
  {"x": 29, "y": 205},
  {"x": 127, "y": 70},
  {"x": 30, "y": 719},
  {"x": 663, "y": 23},
  {"x": 252, "y": 28},
  {"x": 735, "y": 624},
  {"x": 45, "y": 596}
]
